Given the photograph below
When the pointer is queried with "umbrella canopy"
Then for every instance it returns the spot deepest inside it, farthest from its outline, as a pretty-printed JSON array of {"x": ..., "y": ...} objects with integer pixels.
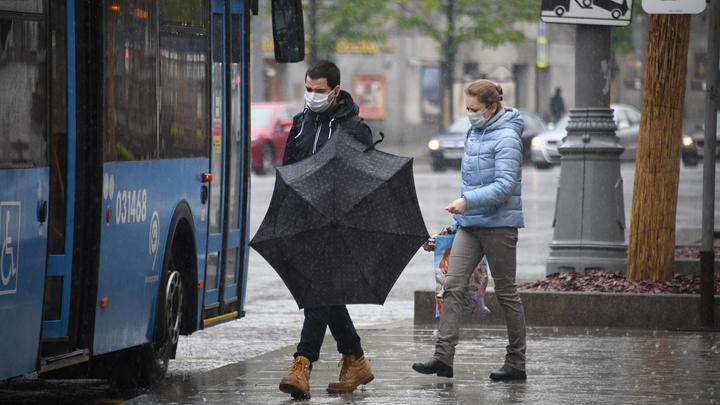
[{"x": 342, "y": 224}]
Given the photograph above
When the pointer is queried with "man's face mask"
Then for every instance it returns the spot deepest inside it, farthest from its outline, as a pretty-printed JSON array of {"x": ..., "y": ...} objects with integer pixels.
[{"x": 318, "y": 102}]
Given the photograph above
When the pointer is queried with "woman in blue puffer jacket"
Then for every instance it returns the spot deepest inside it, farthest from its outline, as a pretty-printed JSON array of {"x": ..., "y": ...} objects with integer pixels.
[{"x": 488, "y": 214}]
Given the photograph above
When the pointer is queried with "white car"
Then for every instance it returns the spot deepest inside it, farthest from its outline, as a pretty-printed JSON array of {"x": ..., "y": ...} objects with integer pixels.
[{"x": 543, "y": 147}]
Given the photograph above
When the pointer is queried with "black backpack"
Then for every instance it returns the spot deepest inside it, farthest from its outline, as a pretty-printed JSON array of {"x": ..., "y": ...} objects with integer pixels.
[{"x": 354, "y": 122}]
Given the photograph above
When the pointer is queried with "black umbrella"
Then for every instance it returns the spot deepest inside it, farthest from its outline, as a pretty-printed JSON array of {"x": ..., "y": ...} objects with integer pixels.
[{"x": 342, "y": 224}]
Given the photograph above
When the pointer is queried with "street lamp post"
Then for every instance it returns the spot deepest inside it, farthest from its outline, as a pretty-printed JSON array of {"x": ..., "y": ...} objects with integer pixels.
[{"x": 589, "y": 212}]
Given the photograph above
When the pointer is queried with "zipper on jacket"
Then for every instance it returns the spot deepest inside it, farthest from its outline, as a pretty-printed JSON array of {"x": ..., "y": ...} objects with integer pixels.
[{"x": 317, "y": 134}]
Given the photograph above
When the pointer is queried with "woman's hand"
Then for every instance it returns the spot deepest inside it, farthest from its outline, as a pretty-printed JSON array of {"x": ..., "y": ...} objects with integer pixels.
[{"x": 458, "y": 206}]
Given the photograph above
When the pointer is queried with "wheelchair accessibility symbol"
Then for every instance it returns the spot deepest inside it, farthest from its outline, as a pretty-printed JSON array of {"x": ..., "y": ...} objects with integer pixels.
[{"x": 10, "y": 240}]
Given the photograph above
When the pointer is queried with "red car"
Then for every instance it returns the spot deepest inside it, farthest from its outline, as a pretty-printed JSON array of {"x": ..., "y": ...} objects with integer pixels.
[{"x": 270, "y": 124}]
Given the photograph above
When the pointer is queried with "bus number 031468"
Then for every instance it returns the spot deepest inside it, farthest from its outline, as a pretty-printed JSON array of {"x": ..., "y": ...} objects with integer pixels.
[{"x": 131, "y": 206}]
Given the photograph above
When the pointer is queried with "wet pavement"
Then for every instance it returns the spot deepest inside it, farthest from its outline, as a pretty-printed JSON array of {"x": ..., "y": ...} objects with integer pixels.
[
  {"x": 566, "y": 365},
  {"x": 242, "y": 362}
]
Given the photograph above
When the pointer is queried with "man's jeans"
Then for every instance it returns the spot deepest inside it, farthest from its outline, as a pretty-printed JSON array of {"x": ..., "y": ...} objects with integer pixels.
[
  {"x": 468, "y": 248},
  {"x": 341, "y": 326}
]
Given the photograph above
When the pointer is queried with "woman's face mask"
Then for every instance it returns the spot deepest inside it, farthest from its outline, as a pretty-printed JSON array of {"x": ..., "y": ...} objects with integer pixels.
[
  {"x": 477, "y": 118},
  {"x": 318, "y": 102}
]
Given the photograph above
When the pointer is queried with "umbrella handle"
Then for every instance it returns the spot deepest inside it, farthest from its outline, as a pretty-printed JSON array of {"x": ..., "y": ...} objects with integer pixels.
[{"x": 382, "y": 138}]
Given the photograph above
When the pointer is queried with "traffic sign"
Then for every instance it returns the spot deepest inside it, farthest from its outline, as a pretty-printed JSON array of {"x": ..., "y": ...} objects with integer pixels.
[
  {"x": 616, "y": 13},
  {"x": 673, "y": 6}
]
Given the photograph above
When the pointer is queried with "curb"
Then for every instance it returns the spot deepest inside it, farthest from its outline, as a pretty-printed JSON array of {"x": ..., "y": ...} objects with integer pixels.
[
  {"x": 544, "y": 308},
  {"x": 692, "y": 266}
]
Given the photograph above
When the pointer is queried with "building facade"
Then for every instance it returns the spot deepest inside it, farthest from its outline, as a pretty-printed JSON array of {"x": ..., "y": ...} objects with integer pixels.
[{"x": 397, "y": 84}]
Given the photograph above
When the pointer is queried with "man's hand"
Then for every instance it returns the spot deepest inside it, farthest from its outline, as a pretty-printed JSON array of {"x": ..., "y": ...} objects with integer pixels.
[{"x": 458, "y": 206}]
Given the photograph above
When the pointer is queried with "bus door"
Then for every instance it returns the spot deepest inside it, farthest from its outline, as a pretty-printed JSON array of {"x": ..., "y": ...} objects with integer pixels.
[
  {"x": 59, "y": 343},
  {"x": 25, "y": 128},
  {"x": 228, "y": 205}
]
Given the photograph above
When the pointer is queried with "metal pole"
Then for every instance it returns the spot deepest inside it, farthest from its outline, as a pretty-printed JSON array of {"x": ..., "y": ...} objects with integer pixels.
[
  {"x": 707, "y": 256},
  {"x": 592, "y": 66}
]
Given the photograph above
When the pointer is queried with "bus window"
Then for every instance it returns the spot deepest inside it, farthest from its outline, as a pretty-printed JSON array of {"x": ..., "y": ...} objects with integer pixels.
[
  {"x": 22, "y": 6},
  {"x": 59, "y": 129},
  {"x": 23, "y": 85},
  {"x": 183, "y": 13},
  {"x": 288, "y": 30},
  {"x": 131, "y": 81},
  {"x": 184, "y": 77}
]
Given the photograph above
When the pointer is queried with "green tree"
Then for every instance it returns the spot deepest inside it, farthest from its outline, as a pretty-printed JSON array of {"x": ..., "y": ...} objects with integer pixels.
[
  {"x": 452, "y": 23},
  {"x": 329, "y": 21},
  {"x": 622, "y": 42}
]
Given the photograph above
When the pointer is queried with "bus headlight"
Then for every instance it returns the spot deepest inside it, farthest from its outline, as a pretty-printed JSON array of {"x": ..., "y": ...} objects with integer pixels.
[
  {"x": 434, "y": 144},
  {"x": 536, "y": 141},
  {"x": 688, "y": 141}
]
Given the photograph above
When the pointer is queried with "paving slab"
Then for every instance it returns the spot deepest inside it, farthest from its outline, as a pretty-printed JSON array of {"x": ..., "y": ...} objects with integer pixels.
[{"x": 566, "y": 365}]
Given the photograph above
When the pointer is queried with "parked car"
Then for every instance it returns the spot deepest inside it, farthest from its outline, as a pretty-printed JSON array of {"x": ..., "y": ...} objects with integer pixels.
[
  {"x": 270, "y": 124},
  {"x": 544, "y": 152},
  {"x": 693, "y": 147},
  {"x": 447, "y": 149}
]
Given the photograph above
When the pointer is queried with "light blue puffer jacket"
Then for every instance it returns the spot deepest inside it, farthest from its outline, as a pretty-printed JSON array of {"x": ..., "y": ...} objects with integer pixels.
[{"x": 492, "y": 173}]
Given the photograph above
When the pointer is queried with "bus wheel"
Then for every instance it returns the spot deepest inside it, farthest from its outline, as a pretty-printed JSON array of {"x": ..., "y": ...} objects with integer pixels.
[
  {"x": 587, "y": 3},
  {"x": 147, "y": 364},
  {"x": 616, "y": 14},
  {"x": 167, "y": 329},
  {"x": 559, "y": 11},
  {"x": 168, "y": 335}
]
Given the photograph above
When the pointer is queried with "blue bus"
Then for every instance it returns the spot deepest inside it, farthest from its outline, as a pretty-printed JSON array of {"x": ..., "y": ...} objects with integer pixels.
[{"x": 124, "y": 178}]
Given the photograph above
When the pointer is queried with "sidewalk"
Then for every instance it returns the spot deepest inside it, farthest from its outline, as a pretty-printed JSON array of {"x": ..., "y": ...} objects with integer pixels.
[{"x": 566, "y": 365}]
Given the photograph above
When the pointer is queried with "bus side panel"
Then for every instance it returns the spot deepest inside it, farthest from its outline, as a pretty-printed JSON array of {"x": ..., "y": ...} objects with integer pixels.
[
  {"x": 23, "y": 248},
  {"x": 140, "y": 197}
]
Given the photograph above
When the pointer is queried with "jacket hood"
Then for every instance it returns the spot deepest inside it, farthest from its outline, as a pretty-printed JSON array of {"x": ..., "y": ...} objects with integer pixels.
[{"x": 508, "y": 117}]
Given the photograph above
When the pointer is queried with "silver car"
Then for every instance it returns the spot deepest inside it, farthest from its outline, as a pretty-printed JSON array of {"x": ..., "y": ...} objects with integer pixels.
[{"x": 543, "y": 147}]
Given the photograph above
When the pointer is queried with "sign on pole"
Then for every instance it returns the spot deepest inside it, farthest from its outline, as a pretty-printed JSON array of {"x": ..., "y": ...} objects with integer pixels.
[
  {"x": 673, "y": 6},
  {"x": 588, "y": 12},
  {"x": 542, "y": 52},
  {"x": 541, "y": 57}
]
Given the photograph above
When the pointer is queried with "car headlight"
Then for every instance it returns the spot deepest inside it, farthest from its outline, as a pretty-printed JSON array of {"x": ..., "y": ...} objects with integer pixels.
[
  {"x": 434, "y": 144},
  {"x": 536, "y": 141},
  {"x": 688, "y": 141}
]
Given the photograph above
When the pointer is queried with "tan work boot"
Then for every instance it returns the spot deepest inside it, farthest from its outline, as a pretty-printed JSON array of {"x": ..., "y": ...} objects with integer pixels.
[
  {"x": 353, "y": 373},
  {"x": 297, "y": 383}
]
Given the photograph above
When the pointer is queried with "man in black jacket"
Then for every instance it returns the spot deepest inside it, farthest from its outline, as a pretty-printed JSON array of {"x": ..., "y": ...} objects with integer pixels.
[{"x": 327, "y": 108}]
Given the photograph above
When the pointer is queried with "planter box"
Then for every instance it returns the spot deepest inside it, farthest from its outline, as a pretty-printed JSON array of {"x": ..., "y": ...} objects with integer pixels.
[
  {"x": 692, "y": 266},
  {"x": 542, "y": 308}
]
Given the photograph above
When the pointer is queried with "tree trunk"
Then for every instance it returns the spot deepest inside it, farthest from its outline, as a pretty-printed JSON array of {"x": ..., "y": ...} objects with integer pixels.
[
  {"x": 312, "y": 57},
  {"x": 447, "y": 70},
  {"x": 447, "y": 67},
  {"x": 651, "y": 250}
]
